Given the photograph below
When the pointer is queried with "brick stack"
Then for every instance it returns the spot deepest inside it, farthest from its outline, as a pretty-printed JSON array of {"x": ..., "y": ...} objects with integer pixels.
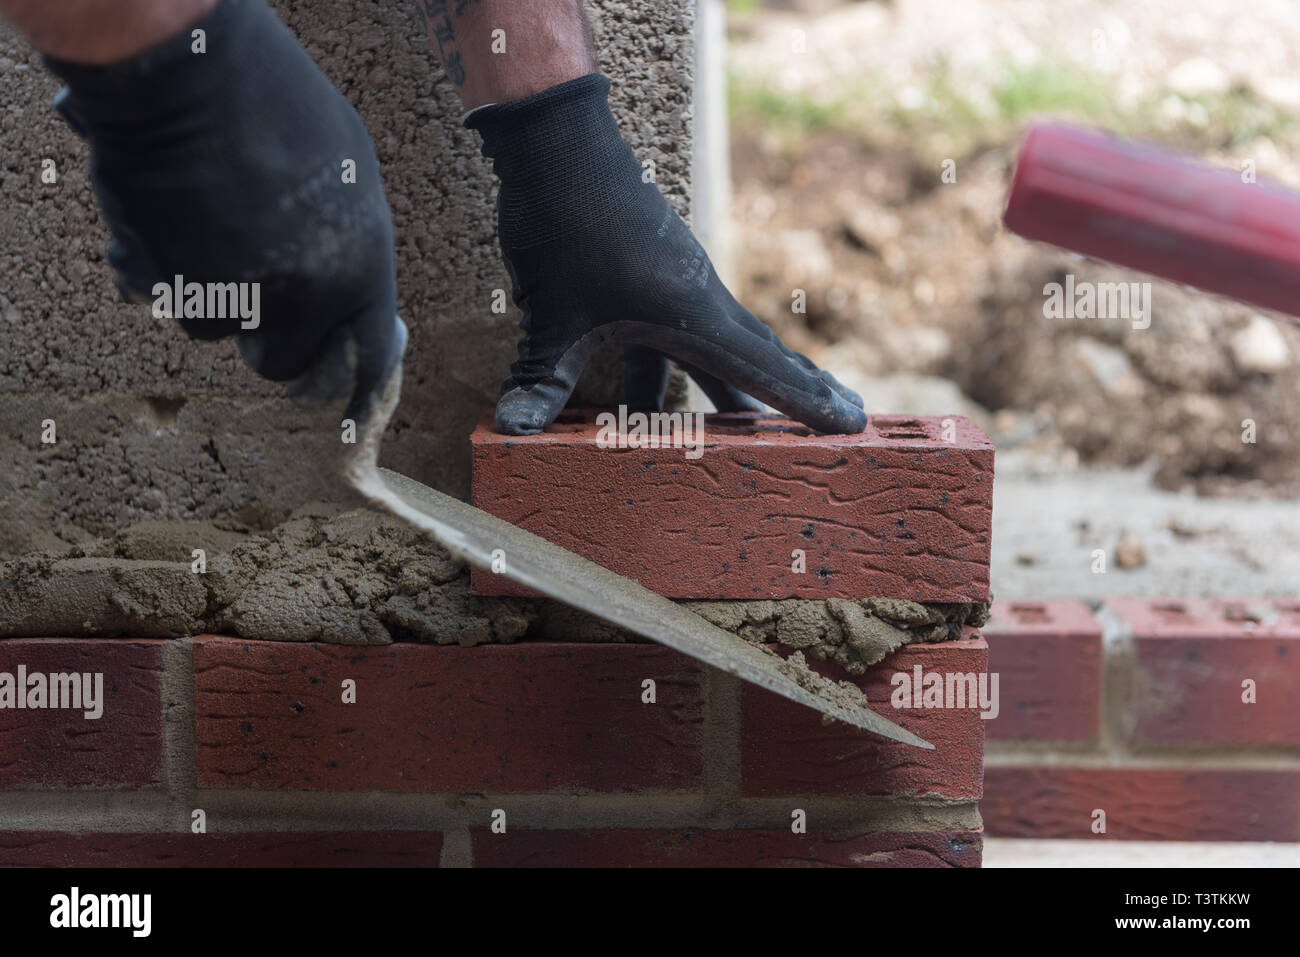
[
  {"x": 1149, "y": 727},
  {"x": 550, "y": 739},
  {"x": 902, "y": 510},
  {"x": 229, "y": 751}
]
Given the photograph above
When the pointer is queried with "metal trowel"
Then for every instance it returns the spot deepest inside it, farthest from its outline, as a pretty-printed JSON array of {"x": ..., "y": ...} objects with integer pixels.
[{"x": 473, "y": 535}]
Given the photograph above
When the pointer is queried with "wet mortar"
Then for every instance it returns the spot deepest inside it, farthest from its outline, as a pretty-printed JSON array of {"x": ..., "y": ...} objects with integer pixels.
[{"x": 355, "y": 576}]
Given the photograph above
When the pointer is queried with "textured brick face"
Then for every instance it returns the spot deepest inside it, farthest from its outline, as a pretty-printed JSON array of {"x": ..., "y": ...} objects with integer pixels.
[
  {"x": 560, "y": 735},
  {"x": 530, "y": 717},
  {"x": 54, "y": 749},
  {"x": 1144, "y": 804},
  {"x": 1048, "y": 658},
  {"x": 1196, "y": 661},
  {"x": 786, "y": 749},
  {"x": 897, "y": 511}
]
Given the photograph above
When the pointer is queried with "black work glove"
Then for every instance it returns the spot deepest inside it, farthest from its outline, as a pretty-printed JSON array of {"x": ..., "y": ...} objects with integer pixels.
[
  {"x": 595, "y": 253},
  {"x": 227, "y": 166}
]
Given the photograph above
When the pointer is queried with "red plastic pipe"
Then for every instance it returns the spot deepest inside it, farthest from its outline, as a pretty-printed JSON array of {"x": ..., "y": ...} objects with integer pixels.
[{"x": 1160, "y": 212}]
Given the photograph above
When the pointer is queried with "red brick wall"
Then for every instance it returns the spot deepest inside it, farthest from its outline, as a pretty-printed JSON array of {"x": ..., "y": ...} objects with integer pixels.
[
  {"x": 257, "y": 736},
  {"x": 1147, "y": 725},
  {"x": 1136, "y": 713}
]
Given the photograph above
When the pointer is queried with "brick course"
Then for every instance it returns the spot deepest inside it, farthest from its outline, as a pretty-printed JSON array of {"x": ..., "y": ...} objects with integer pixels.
[
  {"x": 896, "y": 511},
  {"x": 786, "y": 749},
  {"x": 1048, "y": 657},
  {"x": 1142, "y": 804},
  {"x": 52, "y": 749},
  {"x": 1194, "y": 660},
  {"x": 536, "y": 717},
  {"x": 554, "y": 734}
]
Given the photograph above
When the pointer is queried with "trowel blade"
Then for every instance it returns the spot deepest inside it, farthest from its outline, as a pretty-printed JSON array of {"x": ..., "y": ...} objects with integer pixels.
[{"x": 473, "y": 535}]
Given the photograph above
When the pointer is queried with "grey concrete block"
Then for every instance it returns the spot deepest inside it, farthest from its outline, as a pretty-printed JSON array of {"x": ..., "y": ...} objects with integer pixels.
[{"x": 69, "y": 350}]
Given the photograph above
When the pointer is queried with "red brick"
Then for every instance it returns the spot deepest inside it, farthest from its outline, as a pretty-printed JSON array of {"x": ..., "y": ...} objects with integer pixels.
[
  {"x": 894, "y": 511},
  {"x": 1048, "y": 655},
  {"x": 1142, "y": 803},
  {"x": 736, "y": 848},
  {"x": 51, "y": 749},
  {"x": 528, "y": 717},
  {"x": 786, "y": 749},
  {"x": 268, "y": 849},
  {"x": 1191, "y": 657}
]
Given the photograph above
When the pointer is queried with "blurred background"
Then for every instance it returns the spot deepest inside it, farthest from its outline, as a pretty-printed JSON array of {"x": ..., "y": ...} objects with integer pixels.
[{"x": 842, "y": 116}]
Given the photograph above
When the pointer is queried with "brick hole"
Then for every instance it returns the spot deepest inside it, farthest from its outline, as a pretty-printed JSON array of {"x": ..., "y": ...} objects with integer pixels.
[
  {"x": 1288, "y": 612},
  {"x": 1030, "y": 614},
  {"x": 1171, "y": 611},
  {"x": 1238, "y": 612},
  {"x": 901, "y": 428},
  {"x": 756, "y": 428},
  {"x": 789, "y": 428}
]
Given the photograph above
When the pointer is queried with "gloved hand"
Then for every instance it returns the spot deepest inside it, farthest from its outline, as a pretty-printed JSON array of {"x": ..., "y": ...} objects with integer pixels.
[
  {"x": 227, "y": 166},
  {"x": 594, "y": 253}
]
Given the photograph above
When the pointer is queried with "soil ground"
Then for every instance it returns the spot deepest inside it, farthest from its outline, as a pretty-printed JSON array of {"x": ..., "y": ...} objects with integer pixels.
[
  {"x": 843, "y": 116},
  {"x": 837, "y": 157}
]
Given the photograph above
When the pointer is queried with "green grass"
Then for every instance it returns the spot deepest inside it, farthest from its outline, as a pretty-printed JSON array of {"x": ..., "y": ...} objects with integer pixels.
[
  {"x": 787, "y": 112},
  {"x": 948, "y": 121},
  {"x": 1039, "y": 89}
]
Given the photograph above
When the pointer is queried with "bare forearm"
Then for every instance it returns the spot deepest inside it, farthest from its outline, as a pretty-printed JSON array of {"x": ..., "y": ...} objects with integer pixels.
[
  {"x": 499, "y": 50},
  {"x": 101, "y": 31}
]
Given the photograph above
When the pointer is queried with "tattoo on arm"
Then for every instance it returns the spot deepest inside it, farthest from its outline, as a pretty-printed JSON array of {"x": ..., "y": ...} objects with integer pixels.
[{"x": 438, "y": 18}]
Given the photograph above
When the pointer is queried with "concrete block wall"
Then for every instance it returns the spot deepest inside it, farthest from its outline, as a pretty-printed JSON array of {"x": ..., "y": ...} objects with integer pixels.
[
  {"x": 1159, "y": 719},
  {"x": 153, "y": 426},
  {"x": 227, "y": 751}
]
